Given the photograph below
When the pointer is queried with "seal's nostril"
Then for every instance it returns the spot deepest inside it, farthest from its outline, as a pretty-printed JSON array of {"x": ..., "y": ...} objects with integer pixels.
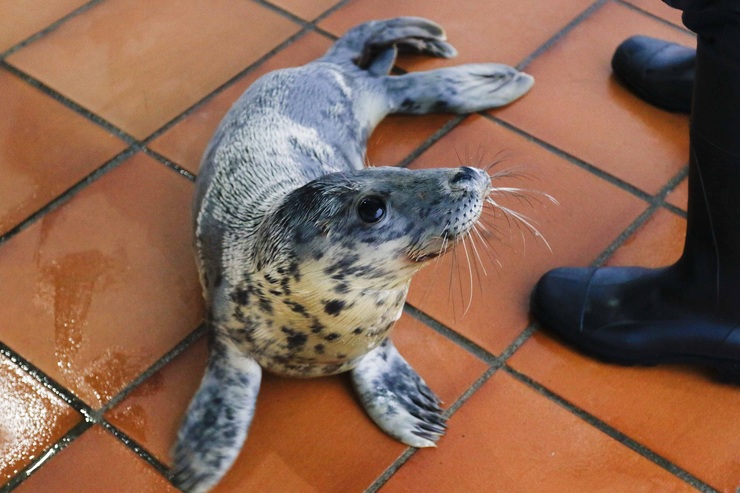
[{"x": 465, "y": 174}]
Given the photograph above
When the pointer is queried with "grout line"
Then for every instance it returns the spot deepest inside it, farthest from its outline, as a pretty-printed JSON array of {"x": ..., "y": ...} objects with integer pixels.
[
  {"x": 677, "y": 211},
  {"x": 170, "y": 164},
  {"x": 642, "y": 11},
  {"x": 611, "y": 432},
  {"x": 70, "y": 104},
  {"x": 306, "y": 28},
  {"x": 455, "y": 337},
  {"x": 65, "y": 196},
  {"x": 626, "y": 186},
  {"x": 624, "y": 235},
  {"x": 561, "y": 34},
  {"x": 431, "y": 140},
  {"x": 227, "y": 84},
  {"x": 284, "y": 13},
  {"x": 386, "y": 475},
  {"x": 390, "y": 470},
  {"x": 74, "y": 433},
  {"x": 518, "y": 342},
  {"x": 50, "y": 384},
  {"x": 137, "y": 448},
  {"x": 173, "y": 353},
  {"x": 655, "y": 204},
  {"x": 90, "y": 415},
  {"x": 50, "y": 28}
]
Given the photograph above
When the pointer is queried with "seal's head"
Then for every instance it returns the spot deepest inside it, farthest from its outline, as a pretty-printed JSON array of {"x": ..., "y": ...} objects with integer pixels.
[
  {"x": 372, "y": 228},
  {"x": 334, "y": 259}
]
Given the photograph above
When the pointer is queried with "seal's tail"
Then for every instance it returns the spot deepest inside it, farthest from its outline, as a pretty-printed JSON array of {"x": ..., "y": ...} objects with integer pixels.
[
  {"x": 217, "y": 420},
  {"x": 373, "y": 45}
]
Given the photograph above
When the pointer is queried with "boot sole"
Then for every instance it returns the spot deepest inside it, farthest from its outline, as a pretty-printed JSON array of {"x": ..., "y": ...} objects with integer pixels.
[{"x": 726, "y": 371}]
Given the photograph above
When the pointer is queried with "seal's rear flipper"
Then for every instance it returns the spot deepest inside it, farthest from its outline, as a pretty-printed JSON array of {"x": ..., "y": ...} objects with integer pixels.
[
  {"x": 217, "y": 420},
  {"x": 461, "y": 89},
  {"x": 361, "y": 45},
  {"x": 397, "y": 399}
]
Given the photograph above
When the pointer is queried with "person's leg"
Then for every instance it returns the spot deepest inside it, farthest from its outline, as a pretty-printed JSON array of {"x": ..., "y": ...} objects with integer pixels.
[{"x": 689, "y": 311}]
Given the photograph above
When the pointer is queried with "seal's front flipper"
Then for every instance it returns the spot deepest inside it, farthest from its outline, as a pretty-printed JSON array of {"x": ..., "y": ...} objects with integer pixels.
[
  {"x": 217, "y": 420},
  {"x": 361, "y": 45},
  {"x": 462, "y": 89},
  {"x": 397, "y": 399}
]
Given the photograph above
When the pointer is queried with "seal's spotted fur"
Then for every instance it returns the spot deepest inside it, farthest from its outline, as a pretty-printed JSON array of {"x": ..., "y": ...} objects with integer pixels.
[{"x": 305, "y": 257}]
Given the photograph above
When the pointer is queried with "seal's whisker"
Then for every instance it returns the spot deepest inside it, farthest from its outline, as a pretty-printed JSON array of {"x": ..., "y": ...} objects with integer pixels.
[
  {"x": 470, "y": 276},
  {"x": 524, "y": 195},
  {"x": 450, "y": 293},
  {"x": 488, "y": 248},
  {"x": 475, "y": 250},
  {"x": 521, "y": 220},
  {"x": 501, "y": 237},
  {"x": 479, "y": 264}
]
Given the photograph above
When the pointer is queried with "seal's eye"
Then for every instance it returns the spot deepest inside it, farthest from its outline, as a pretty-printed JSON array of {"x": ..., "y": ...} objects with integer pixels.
[{"x": 371, "y": 209}]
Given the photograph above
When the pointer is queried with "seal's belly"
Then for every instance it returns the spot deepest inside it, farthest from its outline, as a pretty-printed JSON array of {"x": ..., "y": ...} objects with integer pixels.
[{"x": 319, "y": 342}]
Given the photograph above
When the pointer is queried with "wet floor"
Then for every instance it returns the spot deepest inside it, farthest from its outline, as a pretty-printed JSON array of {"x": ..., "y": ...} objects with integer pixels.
[{"x": 106, "y": 107}]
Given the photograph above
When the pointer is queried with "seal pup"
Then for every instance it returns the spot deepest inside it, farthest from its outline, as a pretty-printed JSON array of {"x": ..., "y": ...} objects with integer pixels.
[{"x": 305, "y": 256}]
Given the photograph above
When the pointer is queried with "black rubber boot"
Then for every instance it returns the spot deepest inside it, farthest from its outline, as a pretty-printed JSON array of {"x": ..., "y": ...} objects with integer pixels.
[
  {"x": 659, "y": 72},
  {"x": 688, "y": 312}
]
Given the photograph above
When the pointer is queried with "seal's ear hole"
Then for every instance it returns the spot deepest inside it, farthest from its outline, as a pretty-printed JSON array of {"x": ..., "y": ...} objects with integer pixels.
[{"x": 371, "y": 209}]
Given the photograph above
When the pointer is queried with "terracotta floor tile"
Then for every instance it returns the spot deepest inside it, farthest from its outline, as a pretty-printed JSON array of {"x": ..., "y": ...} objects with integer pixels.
[
  {"x": 185, "y": 142},
  {"x": 677, "y": 412},
  {"x": 94, "y": 462},
  {"x": 306, "y": 10},
  {"x": 591, "y": 214},
  {"x": 45, "y": 148},
  {"x": 657, "y": 243},
  {"x": 20, "y": 19},
  {"x": 32, "y": 419},
  {"x": 512, "y": 30},
  {"x": 660, "y": 9},
  {"x": 107, "y": 281},
  {"x": 297, "y": 435},
  {"x": 509, "y": 438},
  {"x": 580, "y": 107},
  {"x": 680, "y": 196},
  {"x": 139, "y": 64},
  {"x": 399, "y": 135}
]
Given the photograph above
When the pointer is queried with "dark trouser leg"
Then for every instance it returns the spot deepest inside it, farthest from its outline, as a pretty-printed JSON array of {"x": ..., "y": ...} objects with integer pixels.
[{"x": 690, "y": 311}]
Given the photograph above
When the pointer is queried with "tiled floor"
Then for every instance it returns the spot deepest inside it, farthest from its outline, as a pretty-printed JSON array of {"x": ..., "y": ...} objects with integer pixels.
[{"x": 105, "y": 108}]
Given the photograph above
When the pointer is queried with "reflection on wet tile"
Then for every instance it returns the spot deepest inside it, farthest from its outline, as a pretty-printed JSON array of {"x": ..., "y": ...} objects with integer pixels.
[
  {"x": 32, "y": 419},
  {"x": 107, "y": 281},
  {"x": 139, "y": 64},
  {"x": 590, "y": 215},
  {"x": 45, "y": 148},
  {"x": 96, "y": 461}
]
